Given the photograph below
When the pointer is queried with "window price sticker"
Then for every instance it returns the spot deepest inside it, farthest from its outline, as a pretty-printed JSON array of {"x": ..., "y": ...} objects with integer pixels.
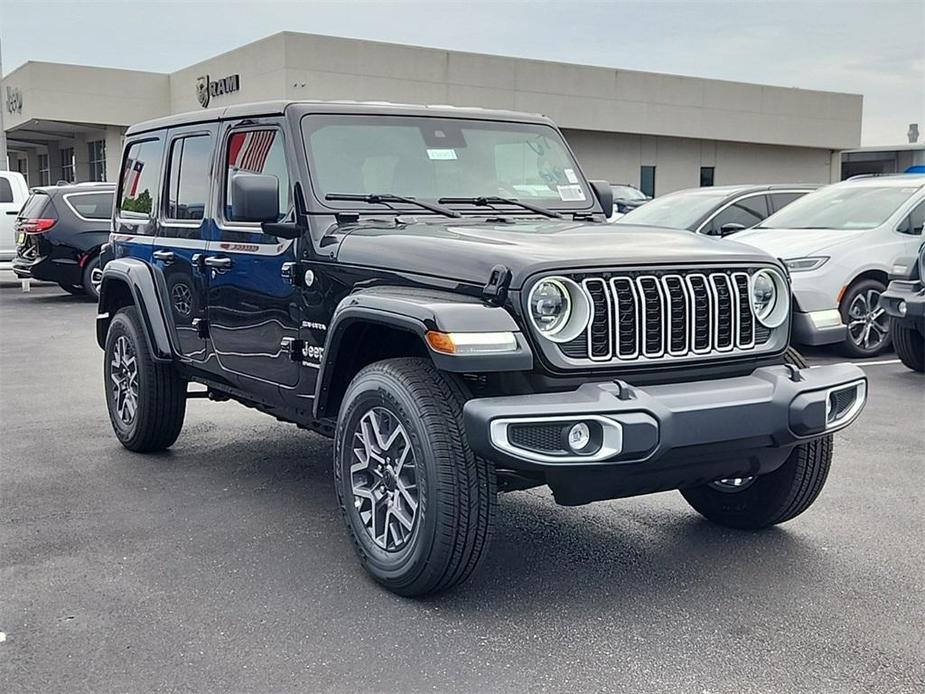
[
  {"x": 571, "y": 193},
  {"x": 441, "y": 154}
]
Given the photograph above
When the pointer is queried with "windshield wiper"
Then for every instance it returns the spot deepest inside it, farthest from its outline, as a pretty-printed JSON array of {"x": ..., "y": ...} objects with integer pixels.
[
  {"x": 488, "y": 201},
  {"x": 386, "y": 198}
]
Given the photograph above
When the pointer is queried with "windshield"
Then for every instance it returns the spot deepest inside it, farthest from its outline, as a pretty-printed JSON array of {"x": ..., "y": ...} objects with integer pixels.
[
  {"x": 838, "y": 207},
  {"x": 435, "y": 158},
  {"x": 628, "y": 193},
  {"x": 677, "y": 210}
]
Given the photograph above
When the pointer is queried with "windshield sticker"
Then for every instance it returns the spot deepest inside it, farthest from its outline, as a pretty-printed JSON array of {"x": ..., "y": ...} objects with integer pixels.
[
  {"x": 571, "y": 193},
  {"x": 441, "y": 154},
  {"x": 570, "y": 175}
]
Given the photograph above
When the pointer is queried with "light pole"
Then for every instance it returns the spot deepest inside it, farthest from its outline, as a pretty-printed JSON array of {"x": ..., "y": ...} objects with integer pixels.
[{"x": 4, "y": 160}]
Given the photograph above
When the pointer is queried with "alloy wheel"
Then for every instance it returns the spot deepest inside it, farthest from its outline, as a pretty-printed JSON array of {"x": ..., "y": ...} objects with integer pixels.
[
  {"x": 96, "y": 279},
  {"x": 868, "y": 323},
  {"x": 182, "y": 299},
  {"x": 123, "y": 372},
  {"x": 383, "y": 479},
  {"x": 733, "y": 484}
]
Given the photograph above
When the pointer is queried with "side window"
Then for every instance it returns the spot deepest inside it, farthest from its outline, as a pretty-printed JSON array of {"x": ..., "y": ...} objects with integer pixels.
[
  {"x": 189, "y": 177},
  {"x": 747, "y": 212},
  {"x": 6, "y": 190},
  {"x": 914, "y": 221},
  {"x": 141, "y": 173},
  {"x": 91, "y": 205},
  {"x": 258, "y": 151},
  {"x": 781, "y": 200}
]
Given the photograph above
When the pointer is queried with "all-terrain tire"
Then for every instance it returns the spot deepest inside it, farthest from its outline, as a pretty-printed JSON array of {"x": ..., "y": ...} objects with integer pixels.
[
  {"x": 909, "y": 344},
  {"x": 456, "y": 490},
  {"x": 772, "y": 498},
  {"x": 160, "y": 398}
]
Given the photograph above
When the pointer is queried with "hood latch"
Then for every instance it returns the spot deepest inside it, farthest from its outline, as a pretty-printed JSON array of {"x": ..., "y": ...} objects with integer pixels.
[{"x": 495, "y": 290}]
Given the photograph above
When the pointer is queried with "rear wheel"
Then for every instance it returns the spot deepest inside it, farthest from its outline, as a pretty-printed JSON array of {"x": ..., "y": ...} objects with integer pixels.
[
  {"x": 909, "y": 344},
  {"x": 418, "y": 504},
  {"x": 92, "y": 277},
  {"x": 867, "y": 321},
  {"x": 74, "y": 289},
  {"x": 761, "y": 501},
  {"x": 146, "y": 399}
]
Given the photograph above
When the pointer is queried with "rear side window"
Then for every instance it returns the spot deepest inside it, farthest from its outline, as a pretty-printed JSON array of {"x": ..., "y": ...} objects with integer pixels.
[
  {"x": 262, "y": 152},
  {"x": 747, "y": 212},
  {"x": 914, "y": 222},
  {"x": 6, "y": 190},
  {"x": 189, "y": 181},
  {"x": 91, "y": 205},
  {"x": 35, "y": 207},
  {"x": 141, "y": 174},
  {"x": 781, "y": 200}
]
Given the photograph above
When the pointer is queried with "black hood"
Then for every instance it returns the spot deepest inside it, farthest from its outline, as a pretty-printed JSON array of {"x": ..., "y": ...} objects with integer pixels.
[{"x": 466, "y": 251}]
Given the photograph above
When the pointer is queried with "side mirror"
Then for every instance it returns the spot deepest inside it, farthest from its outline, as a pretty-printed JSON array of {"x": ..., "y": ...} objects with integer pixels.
[
  {"x": 254, "y": 197},
  {"x": 604, "y": 194},
  {"x": 730, "y": 228}
]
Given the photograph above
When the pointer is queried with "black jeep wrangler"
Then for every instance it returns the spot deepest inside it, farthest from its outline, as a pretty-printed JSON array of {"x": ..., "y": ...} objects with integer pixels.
[
  {"x": 437, "y": 290},
  {"x": 904, "y": 303}
]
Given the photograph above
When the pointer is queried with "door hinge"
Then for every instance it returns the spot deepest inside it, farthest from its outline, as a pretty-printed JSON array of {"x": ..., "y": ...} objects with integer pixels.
[
  {"x": 292, "y": 347},
  {"x": 201, "y": 326},
  {"x": 495, "y": 290}
]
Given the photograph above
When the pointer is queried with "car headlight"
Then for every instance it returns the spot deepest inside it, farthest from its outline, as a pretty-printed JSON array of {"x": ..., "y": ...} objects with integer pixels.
[
  {"x": 805, "y": 264},
  {"x": 770, "y": 299},
  {"x": 559, "y": 308}
]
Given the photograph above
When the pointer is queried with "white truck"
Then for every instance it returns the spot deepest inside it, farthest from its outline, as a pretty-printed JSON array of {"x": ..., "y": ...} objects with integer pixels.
[{"x": 13, "y": 194}]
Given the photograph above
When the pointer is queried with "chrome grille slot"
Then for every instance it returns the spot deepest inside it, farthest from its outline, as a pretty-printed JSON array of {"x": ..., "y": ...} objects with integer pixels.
[
  {"x": 600, "y": 328},
  {"x": 668, "y": 314}
]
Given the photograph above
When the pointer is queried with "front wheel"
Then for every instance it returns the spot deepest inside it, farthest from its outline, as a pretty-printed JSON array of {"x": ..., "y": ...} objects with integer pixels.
[
  {"x": 867, "y": 321},
  {"x": 418, "y": 504},
  {"x": 146, "y": 399},
  {"x": 910, "y": 344}
]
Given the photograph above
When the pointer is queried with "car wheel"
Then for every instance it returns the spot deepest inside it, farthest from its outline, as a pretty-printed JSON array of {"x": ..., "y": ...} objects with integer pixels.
[
  {"x": 761, "y": 501},
  {"x": 93, "y": 277},
  {"x": 909, "y": 344},
  {"x": 418, "y": 504},
  {"x": 146, "y": 399},
  {"x": 867, "y": 321},
  {"x": 73, "y": 289}
]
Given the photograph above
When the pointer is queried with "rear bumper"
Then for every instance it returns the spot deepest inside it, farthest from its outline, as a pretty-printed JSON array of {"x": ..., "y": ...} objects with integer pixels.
[
  {"x": 64, "y": 270},
  {"x": 904, "y": 300},
  {"x": 670, "y": 436},
  {"x": 818, "y": 328}
]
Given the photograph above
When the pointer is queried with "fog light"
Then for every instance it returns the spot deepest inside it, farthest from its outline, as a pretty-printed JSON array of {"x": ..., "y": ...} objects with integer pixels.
[
  {"x": 902, "y": 308},
  {"x": 579, "y": 436}
]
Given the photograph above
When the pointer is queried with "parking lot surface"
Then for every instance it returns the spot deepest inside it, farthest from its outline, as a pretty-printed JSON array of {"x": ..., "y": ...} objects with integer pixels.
[{"x": 223, "y": 565}]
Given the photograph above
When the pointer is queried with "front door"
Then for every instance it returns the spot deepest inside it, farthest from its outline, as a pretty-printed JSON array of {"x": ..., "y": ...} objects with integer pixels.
[
  {"x": 253, "y": 310},
  {"x": 182, "y": 237}
]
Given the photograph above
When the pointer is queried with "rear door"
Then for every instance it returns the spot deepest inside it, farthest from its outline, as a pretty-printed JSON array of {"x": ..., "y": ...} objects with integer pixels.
[
  {"x": 183, "y": 233},
  {"x": 254, "y": 310}
]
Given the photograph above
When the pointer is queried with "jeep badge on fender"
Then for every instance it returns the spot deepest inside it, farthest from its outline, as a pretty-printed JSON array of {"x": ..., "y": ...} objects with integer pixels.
[{"x": 436, "y": 289}]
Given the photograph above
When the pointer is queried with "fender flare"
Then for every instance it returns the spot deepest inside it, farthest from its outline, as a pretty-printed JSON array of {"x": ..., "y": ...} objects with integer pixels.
[
  {"x": 136, "y": 275},
  {"x": 418, "y": 311}
]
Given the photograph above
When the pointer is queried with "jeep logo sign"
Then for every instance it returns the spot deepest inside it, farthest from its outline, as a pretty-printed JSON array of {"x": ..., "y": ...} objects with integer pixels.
[
  {"x": 14, "y": 100},
  {"x": 206, "y": 88}
]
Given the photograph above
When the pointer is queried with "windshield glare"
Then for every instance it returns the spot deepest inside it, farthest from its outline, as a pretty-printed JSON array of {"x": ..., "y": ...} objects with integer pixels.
[
  {"x": 676, "y": 211},
  {"x": 433, "y": 158},
  {"x": 842, "y": 208},
  {"x": 628, "y": 193}
]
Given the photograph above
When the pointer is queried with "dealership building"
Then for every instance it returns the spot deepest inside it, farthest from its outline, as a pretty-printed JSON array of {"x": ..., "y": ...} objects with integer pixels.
[{"x": 661, "y": 132}]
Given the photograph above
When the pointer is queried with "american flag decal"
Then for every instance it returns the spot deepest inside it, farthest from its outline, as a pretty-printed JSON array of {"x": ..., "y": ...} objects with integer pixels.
[{"x": 248, "y": 151}]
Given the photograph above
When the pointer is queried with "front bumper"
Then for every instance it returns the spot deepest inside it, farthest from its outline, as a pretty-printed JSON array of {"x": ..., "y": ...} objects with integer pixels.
[
  {"x": 911, "y": 294},
  {"x": 670, "y": 436},
  {"x": 816, "y": 328}
]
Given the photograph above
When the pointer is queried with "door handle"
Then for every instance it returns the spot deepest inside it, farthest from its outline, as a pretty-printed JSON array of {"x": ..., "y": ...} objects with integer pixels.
[
  {"x": 218, "y": 262},
  {"x": 165, "y": 256}
]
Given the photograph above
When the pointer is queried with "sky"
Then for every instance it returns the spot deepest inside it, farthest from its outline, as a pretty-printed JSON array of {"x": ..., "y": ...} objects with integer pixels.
[{"x": 870, "y": 47}]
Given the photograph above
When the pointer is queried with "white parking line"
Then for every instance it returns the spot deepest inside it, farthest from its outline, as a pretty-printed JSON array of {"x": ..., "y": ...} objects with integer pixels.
[{"x": 876, "y": 363}]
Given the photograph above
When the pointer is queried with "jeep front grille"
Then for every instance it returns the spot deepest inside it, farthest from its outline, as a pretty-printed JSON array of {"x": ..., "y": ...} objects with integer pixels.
[{"x": 667, "y": 314}]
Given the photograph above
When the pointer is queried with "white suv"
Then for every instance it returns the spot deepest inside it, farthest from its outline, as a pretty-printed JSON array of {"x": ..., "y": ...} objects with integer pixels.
[{"x": 841, "y": 243}]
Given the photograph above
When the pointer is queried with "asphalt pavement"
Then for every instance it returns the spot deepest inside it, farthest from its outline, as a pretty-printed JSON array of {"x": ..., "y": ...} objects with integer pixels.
[{"x": 223, "y": 564}]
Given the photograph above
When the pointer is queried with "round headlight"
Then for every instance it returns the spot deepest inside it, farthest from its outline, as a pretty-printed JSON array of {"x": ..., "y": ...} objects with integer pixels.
[
  {"x": 559, "y": 308},
  {"x": 769, "y": 298}
]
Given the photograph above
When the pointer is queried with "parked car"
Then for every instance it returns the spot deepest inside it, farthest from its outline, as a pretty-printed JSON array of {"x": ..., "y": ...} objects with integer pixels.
[
  {"x": 357, "y": 270},
  {"x": 840, "y": 244},
  {"x": 60, "y": 232},
  {"x": 904, "y": 303},
  {"x": 13, "y": 193},
  {"x": 626, "y": 197},
  {"x": 717, "y": 210}
]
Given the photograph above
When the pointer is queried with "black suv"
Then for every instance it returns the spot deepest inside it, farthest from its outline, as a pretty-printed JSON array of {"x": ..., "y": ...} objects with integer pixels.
[
  {"x": 904, "y": 303},
  {"x": 437, "y": 290},
  {"x": 59, "y": 233}
]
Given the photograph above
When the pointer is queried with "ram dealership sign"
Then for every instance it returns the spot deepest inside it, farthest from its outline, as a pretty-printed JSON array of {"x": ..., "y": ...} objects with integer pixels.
[{"x": 206, "y": 88}]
